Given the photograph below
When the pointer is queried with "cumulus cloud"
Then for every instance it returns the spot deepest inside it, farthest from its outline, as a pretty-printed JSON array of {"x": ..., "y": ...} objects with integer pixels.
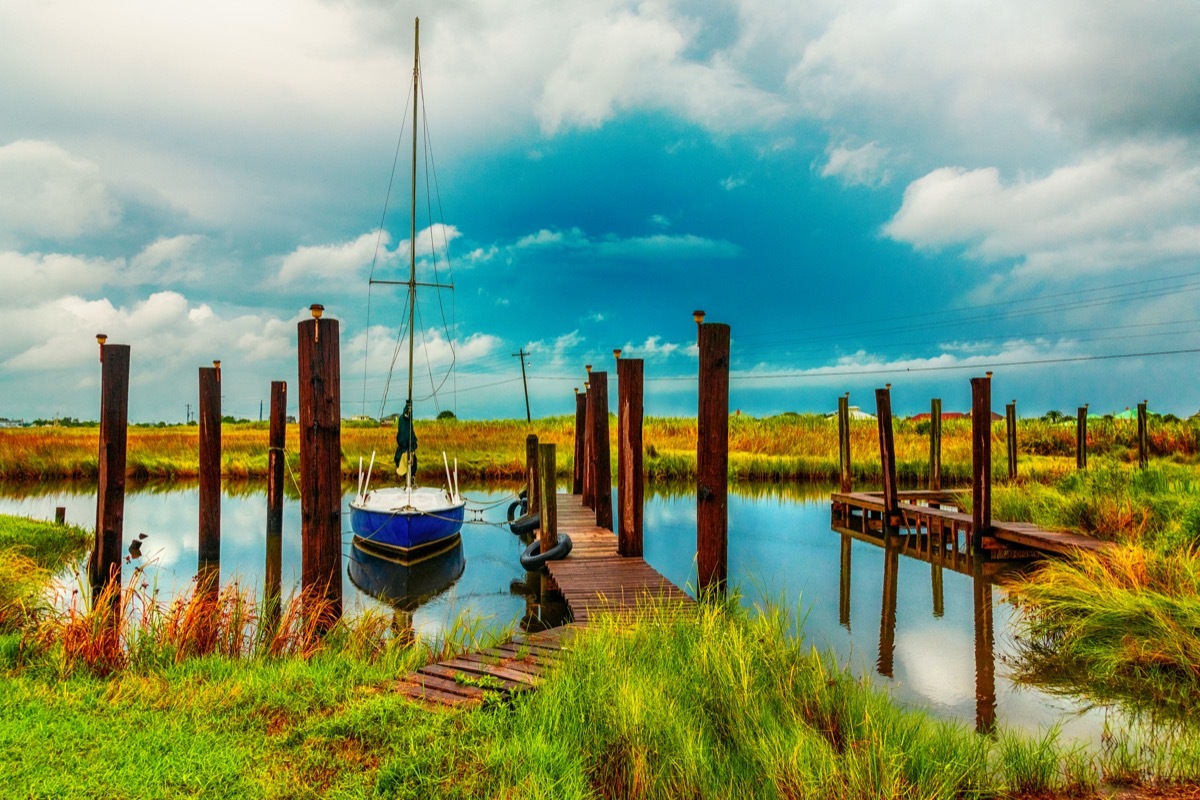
[
  {"x": 333, "y": 261},
  {"x": 1132, "y": 204},
  {"x": 31, "y": 277},
  {"x": 45, "y": 192},
  {"x": 857, "y": 166}
]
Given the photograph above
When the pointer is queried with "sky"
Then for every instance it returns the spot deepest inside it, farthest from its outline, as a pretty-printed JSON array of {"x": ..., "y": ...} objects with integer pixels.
[{"x": 904, "y": 192}]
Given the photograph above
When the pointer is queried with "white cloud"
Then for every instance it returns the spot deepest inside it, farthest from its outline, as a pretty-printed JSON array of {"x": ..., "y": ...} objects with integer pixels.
[
  {"x": 46, "y": 192},
  {"x": 1128, "y": 205},
  {"x": 164, "y": 251},
  {"x": 859, "y": 166},
  {"x": 732, "y": 182},
  {"x": 333, "y": 261},
  {"x": 29, "y": 278}
]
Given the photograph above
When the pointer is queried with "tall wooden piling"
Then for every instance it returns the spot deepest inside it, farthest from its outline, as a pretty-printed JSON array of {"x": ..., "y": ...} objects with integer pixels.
[
  {"x": 104, "y": 566},
  {"x": 589, "y": 448},
  {"x": 1010, "y": 427},
  {"x": 276, "y": 442},
  {"x": 844, "y": 472},
  {"x": 981, "y": 458},
  {"x": 938, "y": 588},
  {"x": 547, "y": 491},
  {"x": 1142, "y": 437},
  {"x": 935, "y": 444},
  {"x": 60, "y": 515},
  {"x": 712, "y": 459},
  {"x": 603, "y": 455},
  {"x": 580, "y": 422},
  {"x": 320, "y": 403},
  {"x": 887, "y": 456},
  {"x": 533, "y": 485},
  {"x": 1081, "y": 437},
  {"x": 631, "y": 490},
  {"x": 209, "y": 418}
]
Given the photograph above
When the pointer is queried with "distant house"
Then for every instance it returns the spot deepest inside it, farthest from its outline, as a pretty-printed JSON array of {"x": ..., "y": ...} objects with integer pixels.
[{"x": 855, "y": 413}]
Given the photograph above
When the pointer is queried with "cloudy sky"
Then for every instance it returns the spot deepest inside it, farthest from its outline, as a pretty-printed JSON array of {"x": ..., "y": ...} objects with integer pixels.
[{"x": 907, "y": 191}]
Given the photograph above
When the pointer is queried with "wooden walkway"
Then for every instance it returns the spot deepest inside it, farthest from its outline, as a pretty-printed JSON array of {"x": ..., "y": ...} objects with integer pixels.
[
  {"x": 592, "y": 578},
  {"x": 945, "y": 533}
]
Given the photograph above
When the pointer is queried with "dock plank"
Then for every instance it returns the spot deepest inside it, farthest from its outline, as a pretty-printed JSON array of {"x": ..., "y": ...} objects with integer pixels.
[{"x": 594, "y": 578}]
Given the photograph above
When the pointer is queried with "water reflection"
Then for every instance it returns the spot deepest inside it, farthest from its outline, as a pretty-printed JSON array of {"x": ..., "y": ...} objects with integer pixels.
[{"x": 916, "y": 617}]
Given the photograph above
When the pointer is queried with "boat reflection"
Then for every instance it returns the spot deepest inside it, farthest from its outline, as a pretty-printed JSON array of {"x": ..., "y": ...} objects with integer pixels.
[{"x": 405, "y": 584}]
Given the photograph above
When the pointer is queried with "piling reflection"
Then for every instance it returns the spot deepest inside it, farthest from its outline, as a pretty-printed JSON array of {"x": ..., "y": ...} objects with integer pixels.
[{"x": 941, "y": 554}]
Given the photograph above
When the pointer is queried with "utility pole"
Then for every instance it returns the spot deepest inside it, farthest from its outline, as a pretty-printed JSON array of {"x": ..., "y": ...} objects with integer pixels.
[
  {"x": 187, "y": 414},
  {"x": 524, "y": 382}
]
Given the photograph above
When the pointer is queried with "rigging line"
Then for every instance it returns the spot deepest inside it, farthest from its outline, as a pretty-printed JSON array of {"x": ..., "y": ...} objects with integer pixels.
[
  {"x": 378, "y": 242},
  {"x": 991, "y": 305},
  {"x": 395, "y": 356}
]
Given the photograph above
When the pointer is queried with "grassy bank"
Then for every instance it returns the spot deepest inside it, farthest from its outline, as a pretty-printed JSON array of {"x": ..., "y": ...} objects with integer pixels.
[
  {"x": 783, "y": 447},
  {"x": 717, "y": 704}
]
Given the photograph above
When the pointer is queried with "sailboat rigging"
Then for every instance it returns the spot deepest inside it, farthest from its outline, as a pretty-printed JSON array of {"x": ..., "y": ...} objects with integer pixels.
[{"x": 410, "y": 519}]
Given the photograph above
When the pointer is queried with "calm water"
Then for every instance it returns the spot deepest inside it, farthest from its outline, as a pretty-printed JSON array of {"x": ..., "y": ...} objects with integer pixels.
[{"x": 781, "y": 550}]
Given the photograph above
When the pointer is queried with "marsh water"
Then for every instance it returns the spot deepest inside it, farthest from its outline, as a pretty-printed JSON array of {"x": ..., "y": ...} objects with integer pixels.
[{"x": 936, "y": 639}]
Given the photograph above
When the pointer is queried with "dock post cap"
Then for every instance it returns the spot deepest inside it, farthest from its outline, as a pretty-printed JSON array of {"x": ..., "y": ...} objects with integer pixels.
[
  {"x": 698, "y": 315},
  {"x": 588, "y": 367},
  {"x": 988, "y": 374},
  {"x": 101, "y": 338},
  {"x": 317, "y": 310},
  {"x": 617, "y": 353}
]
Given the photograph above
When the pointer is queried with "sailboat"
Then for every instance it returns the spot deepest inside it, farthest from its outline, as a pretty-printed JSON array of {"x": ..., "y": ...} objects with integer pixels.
[{"x": 409, "y": 519}]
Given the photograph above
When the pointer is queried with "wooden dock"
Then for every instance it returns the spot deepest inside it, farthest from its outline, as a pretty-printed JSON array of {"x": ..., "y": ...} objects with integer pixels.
[
  {"x": 592, "y": 578},
  {"x": 932, "y": 527}
]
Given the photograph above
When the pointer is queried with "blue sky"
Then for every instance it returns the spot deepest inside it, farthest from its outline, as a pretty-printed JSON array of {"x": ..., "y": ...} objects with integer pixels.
[{"x": 905, "y": 192}]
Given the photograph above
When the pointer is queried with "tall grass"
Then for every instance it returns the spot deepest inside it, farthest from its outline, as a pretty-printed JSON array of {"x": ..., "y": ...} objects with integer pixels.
[
  {"x": 1119, "y": 626},
  {"x": 782, "y": 447}
]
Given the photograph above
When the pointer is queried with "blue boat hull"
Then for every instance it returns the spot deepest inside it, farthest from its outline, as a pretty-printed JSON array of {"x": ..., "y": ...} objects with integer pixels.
[{"x": 406, "y": 531}]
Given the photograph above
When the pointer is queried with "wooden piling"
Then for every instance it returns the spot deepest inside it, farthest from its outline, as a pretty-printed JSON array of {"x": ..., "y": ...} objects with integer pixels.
[
  {"x": 631, "y": 489},
  {"x": 580, "y": 423},
  {"x": 60, "y": 515},
  {"x": 548, "y": 492},
  {"x": 1010, "y": 425},
  {"x": 589, "y": 449},
  {"x": 1081, "y": 437},
  {"x": 533, "y": 486},
  {"x": 209, "y": 419},
  {"x": 844, "y": 472},
  {"x": 276, "y": 442},
  {"x": 887, "y": 456},
  {"x": 712, "y": 459},
  {"x": 603, "y": 456},
  {"x": 1142, "y": 437},
  {"x": 104, "y": 566},
  {"x": 935, "y": 444},
  {"x": 981, "y": 459},
  {"x": 320, "y": 469}
]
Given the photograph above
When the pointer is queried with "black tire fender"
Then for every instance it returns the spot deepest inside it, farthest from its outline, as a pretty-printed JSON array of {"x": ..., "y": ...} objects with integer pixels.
[{"x": 532, "y": 559}]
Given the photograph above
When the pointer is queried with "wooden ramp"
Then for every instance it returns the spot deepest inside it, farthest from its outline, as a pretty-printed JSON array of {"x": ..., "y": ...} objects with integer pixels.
[{"x": 592, "y": 578}]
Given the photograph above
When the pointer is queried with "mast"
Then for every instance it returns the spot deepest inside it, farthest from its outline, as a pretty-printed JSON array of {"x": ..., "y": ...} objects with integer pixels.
[{"x": 412, "y": 238}]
